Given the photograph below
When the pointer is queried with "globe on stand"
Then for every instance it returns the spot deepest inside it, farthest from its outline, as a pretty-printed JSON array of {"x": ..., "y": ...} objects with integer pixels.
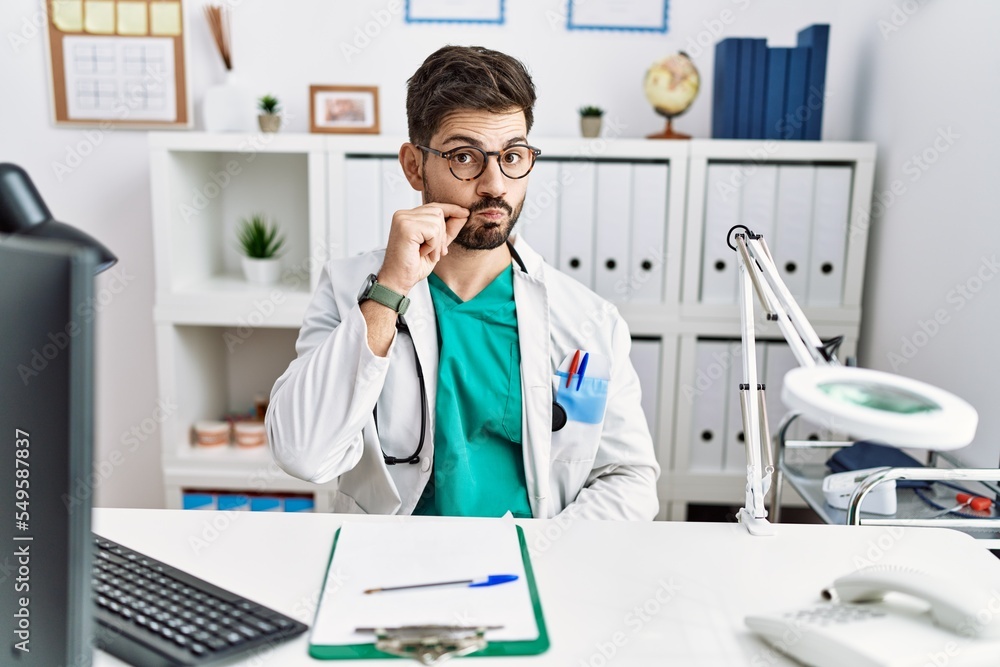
[{"x": 671, "y": 86}]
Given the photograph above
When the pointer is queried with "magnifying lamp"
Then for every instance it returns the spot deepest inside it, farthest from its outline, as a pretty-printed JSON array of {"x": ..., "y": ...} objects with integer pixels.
[
  {"x": 881, "y": 406},
  {"x": 875, "y": 405}
]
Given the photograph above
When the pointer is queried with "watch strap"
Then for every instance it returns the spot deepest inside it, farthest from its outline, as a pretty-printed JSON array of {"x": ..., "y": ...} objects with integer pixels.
[{"x": 388, "y": 298}]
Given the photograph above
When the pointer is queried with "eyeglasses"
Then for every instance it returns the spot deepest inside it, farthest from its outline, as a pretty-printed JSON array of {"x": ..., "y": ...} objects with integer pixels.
[{"x": 467, "y": 163}]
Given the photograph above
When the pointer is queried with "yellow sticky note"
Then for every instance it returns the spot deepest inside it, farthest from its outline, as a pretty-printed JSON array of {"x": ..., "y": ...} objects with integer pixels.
[
  {"x": 67, "y": 15},
  {"x": 165, "y": 18},
  {"x": 99, "y": 17},
  {"x": 132, "y": 18}
]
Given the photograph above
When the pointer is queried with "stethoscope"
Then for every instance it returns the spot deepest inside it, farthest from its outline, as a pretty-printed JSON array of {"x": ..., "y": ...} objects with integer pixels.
[{"x": 558, "y": 412}]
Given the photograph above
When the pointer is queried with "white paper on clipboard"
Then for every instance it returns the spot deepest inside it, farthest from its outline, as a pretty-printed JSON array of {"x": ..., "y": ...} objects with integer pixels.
[{"x": 379, "y": 555}]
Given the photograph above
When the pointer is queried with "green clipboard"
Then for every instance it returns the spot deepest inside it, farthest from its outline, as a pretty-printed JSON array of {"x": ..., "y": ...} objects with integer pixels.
[{"x": 502, "y": 648}]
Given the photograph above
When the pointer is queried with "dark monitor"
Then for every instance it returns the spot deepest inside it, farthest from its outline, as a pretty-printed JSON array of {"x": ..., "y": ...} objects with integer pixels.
[{"x": 46, "y": 435}]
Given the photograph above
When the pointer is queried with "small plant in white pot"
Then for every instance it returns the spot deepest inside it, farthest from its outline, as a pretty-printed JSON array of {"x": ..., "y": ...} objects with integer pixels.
[
  {"x": 269, "y": 120},
  {"x": 260, "y": 242}
]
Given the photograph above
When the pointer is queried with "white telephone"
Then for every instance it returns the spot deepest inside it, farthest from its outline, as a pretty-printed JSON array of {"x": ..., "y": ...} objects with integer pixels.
[{"x": 873, "y": 620}]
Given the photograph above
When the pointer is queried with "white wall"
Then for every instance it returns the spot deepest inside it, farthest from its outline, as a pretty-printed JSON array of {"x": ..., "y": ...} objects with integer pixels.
[
  {"x": 896, "y": 91},
  {"x": 933, "y": 78}
]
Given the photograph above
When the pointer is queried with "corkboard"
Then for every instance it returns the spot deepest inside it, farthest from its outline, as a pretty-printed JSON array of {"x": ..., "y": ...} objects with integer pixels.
[{"x": 118, "y": 61}]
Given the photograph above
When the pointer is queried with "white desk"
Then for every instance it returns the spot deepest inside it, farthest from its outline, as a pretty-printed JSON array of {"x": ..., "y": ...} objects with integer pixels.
[{"x": 614, "y": 594}]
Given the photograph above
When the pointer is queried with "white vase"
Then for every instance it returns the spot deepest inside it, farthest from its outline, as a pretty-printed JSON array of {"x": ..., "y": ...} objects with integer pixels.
[
  {"x": 261, "y": 271},
  {"x": 229, "y": 107}
]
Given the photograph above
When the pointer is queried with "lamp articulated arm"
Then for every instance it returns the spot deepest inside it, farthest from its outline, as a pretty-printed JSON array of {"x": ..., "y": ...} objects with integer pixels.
[{"x": 758, "y": 276}]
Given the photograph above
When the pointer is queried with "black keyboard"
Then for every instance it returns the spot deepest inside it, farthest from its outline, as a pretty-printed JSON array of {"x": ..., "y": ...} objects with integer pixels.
[{"x": 151, "y": 614}]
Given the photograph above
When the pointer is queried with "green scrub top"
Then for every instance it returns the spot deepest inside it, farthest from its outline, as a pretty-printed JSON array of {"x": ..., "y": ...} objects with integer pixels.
[{"x": 478, "y": 464}]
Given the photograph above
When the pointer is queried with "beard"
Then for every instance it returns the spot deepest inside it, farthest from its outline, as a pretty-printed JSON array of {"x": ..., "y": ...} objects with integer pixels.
[{"x": 483, "y": 235}]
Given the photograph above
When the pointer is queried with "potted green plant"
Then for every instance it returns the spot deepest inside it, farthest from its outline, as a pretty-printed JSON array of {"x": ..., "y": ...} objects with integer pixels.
[
  {"x": 269, "y": 120},
  {"x": 590, "y": 121},
  {"x": 260, "y": 242}
]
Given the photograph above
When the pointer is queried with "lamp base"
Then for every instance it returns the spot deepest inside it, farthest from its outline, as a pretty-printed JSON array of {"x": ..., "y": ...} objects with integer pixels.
[{"x": 755, "y": 525}]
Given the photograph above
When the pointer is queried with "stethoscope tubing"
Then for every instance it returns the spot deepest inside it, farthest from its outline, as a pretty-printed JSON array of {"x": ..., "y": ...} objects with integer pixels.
[{"x": 558, "y": 412}]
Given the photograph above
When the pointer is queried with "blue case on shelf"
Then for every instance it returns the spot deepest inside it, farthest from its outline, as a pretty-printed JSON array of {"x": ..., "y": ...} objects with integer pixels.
[
  {"x": 265, "y": 504},
  {"x": 726, "y": 83},
  {"x": 198, "y": 501},
  {"x": 792, "y": 126},
  {"x": 774, "y": 98},
  {"x": 234, "y": 502},
  {"x": 744, "y": 95},
  {"x": 299, "y": 504},
  {"x": 817, "y": 38},
  {"x": 758, "y": 88}
]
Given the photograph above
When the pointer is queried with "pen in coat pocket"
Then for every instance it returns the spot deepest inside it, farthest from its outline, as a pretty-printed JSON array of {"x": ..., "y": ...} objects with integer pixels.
[
  {"x": 583, "y": 369},
  {"x": 572, "y": 367}
]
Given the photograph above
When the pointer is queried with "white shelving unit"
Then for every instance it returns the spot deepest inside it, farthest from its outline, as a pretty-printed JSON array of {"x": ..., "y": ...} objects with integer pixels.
[{"x": 221, "y": 342}]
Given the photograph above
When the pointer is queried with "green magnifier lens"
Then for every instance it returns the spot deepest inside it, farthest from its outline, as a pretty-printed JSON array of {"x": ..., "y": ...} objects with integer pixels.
[{"x": 879, "y": 397}]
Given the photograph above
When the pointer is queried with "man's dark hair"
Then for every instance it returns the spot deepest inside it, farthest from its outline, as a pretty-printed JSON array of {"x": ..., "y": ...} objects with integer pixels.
[{"x": 456, "y": 78}]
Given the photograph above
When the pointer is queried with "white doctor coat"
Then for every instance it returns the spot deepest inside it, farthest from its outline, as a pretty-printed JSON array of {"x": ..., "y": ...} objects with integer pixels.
[{"x": 321, "y": 427}]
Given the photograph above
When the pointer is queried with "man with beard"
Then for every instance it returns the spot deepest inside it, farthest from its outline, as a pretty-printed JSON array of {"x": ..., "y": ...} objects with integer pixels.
[{"x": 514, "y": 393}]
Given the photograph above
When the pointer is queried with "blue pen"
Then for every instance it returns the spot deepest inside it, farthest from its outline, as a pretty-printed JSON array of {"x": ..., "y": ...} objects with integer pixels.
[
  {"x": 583, "y": 369},
  {"x": 491, "y": 580}
]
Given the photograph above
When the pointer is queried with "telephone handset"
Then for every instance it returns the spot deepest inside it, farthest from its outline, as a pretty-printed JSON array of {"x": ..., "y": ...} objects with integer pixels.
[{"x": 886, "y": 616}]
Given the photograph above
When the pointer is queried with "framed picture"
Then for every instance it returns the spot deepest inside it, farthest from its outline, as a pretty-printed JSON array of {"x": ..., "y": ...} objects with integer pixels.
[
  {"x": 343, "y": 109},
  {"x": 631, "y": 16},
  {"x": 455, "y": 11}
]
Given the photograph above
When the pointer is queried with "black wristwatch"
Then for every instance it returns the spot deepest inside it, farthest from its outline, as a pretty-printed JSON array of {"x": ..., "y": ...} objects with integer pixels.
[{"x": 383, "y": 295}]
